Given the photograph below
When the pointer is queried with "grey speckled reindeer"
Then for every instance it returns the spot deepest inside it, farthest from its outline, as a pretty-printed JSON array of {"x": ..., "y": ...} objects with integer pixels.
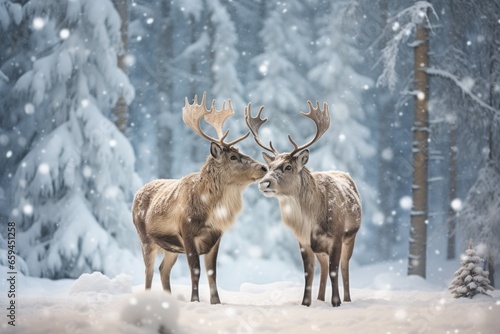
[
  {"x": 190, "y": 215},
  {"x": 323, "y": 209}
]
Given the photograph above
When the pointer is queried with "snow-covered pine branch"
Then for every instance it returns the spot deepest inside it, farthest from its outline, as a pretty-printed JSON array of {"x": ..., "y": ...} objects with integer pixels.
[
  {"x": 404, "y": 24},
  {"x": 10, "y": 13},
  {"x": 465, "y": 85}
]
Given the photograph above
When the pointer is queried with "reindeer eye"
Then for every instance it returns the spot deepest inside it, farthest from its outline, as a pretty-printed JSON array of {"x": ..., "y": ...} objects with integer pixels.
[
  {"x": 288, "y": 167},
  {"x": 233, "y": 157}
]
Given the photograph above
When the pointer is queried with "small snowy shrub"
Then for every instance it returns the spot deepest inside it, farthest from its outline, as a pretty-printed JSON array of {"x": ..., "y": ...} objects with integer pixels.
[
  {"x": 470, "y": 279},
  {"x": 153, "y": 310},
  {"x": 97, "y": 282}
]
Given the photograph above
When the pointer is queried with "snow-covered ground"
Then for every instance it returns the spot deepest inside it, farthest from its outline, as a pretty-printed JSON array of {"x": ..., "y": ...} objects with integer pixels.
[{"x": 384, "y": 301}]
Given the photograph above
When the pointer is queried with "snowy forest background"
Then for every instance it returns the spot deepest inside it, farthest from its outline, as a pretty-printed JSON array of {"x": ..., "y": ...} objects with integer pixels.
[{"x": 91, "y": 93}]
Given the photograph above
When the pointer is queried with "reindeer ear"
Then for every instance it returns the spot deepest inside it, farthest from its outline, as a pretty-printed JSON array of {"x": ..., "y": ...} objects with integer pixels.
[
  {"x": 268, "y": 158},
  {"x": 215, "y": 150},
  {"x": 303, "y": 158}
]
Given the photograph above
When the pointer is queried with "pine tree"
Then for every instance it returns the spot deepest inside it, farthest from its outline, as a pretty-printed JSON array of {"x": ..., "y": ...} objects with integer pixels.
[
  {"x": 470, "y": 279},
  {"x": 338, "y": 83},
  {"x": 74, "y": 187},
  {"x": 17, "y": 118},
  {"x": 223, "y": 38},
  {"x": 283, "y": 65}
]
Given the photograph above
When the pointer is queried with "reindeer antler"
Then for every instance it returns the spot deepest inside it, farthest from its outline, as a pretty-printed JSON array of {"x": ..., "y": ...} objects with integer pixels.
[
  {"x": 322, "y": 120},
  {"x": 254, "y": 124},
  {"x": 193, "y": 113}
]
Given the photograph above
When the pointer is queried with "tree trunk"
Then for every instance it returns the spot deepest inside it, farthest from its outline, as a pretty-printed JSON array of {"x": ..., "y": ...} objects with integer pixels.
[
  {"x": 163, "y": 55},
  {"x": 194, "y": 60},
  {"x": 121, "y": 108},
  {"x": 418, "y": 228},
  {"x": 452, "y": 192},
  {"x": 494, "y": 128},
  {"x": 456, "y": 40},
  {"x": 491, "y": 269},
  {"x": 386, "y": 231}
]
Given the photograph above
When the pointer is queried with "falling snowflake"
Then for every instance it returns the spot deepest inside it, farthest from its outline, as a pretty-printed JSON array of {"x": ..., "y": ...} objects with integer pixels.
[
  {"x": 84, "y": 103},
  {"x": 44, "y": 168},
  {"x": 64, "y": 33},
  {"x": 387, "y": 154},
  {"x": 111, "y": 192},
  {"x": 129, "y": 60},
  {"x": 28, "y": 209},
  {"x": 29, "y": 108},
  {"x": 87, "y": 171},
  {"x": 38, "y": 23},
  {"x": 405, "y": 202},
  {"x": 456, "y": 204},
  {"x": 255, "y": 252},
  {"x": 378, "y": 218},
  {"x": 264, "y": 67}
]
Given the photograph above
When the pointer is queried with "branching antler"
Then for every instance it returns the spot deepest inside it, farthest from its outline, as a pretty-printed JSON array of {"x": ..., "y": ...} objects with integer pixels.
[
  {"x": 322, "y": 120},
  {"x": 254, "y": 124},
  {"x": 193, "y": 113}
]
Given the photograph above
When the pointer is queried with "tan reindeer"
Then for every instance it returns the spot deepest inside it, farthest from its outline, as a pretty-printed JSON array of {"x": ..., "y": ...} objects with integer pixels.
[
  {"x": 323, "y": 209},
  {"x": 190, "y": 215}
]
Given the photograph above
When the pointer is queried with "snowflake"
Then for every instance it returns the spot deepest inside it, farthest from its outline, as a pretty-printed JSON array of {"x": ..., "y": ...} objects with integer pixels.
[
  {"x": 405, "y": 202},
  {"x": 29, "y": 108},
  {"x": 64, "y": 33},
  {"x": 44, "y": 168},
  {"x": 38, "y": 23}
]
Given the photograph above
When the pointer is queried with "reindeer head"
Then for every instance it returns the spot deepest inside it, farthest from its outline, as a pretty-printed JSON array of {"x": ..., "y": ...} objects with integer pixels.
[
  {"x": 236, "y": 167},
  {"x": 285, "y": 169}
]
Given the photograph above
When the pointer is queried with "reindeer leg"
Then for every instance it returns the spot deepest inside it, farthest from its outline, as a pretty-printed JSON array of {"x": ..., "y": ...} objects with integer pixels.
[
  {"x": 334, "y": 271},
  {"x": 165, "y": 268},
  {"x": 347, "y": 248},
  {"x": 308, "y": 259},
  {"x": 323, "y": 263},
  {"x": 211, "y": 267},
  {"x": 149, "y": 254},
  {"x": 194, "y": 267}
]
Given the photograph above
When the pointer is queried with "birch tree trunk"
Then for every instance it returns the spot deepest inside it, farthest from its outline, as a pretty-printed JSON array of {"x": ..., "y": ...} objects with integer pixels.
[{"x": 418, "y": 225}]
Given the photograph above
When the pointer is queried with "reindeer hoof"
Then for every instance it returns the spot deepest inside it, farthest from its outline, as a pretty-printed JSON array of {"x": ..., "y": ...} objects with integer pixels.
[
  {"x": 306, "y": 302},
  {"x": 335, "y": 302},
  {"x": 195, "y": 299},
  {"x": 214, "y": 301}
]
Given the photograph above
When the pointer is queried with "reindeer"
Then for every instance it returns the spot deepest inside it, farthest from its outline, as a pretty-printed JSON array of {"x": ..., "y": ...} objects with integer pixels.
[
  {"x": 323, "y": 209},
  {"x": 190, "y": 215}
]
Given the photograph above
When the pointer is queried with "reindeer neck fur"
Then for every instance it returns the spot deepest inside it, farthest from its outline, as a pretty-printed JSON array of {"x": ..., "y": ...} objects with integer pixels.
[
  {"x": 222, "y": 197},
  {"x": 298, "y": 211}
]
